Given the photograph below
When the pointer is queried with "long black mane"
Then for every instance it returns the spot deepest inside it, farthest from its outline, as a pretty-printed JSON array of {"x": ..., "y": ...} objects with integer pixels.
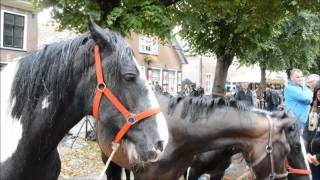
[
  {"x": 199, "y": 106},
  {"x": 51, "y": 72},
  {"x": 48, "y": 72}
]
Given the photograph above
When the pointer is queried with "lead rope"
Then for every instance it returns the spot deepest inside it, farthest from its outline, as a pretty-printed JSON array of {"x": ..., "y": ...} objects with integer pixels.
[{"x": 115, "y": 147}]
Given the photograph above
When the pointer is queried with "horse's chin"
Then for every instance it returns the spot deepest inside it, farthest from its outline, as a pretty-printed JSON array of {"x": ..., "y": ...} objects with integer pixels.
[{"x": 132, "y": 153}]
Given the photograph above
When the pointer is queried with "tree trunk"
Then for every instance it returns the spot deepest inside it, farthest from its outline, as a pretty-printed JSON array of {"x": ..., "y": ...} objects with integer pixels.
[
  {"x": 263, "y": 82},
  {"x": 220, "y": 77}
]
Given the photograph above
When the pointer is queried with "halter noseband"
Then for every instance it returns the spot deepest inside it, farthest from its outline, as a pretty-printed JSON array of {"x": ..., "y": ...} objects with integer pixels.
[
  {"x": 268, "y": 152},
  {"x": 102, "y": 88},
  {"x": 296, "y": 171}
]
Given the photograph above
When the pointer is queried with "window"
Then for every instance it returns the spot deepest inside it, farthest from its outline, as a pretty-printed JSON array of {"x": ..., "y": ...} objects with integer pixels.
[
  {"x": 208, "y": 87},
  {"x": 13, "y": 29},
  {"x": 156, "y": 75},
  {"x": 171, "y": 79},
  {"x": 179, "y": 81},
  {"x": 148, "y": 45},
  {"x": 143, "y": 70}
]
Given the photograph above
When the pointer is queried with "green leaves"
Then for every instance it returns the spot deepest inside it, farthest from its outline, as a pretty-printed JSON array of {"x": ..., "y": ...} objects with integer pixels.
[
  {"x": 141, "y": 16},
  {"x": 281, "y": 33},
  {"x": 146, "y": 18}
]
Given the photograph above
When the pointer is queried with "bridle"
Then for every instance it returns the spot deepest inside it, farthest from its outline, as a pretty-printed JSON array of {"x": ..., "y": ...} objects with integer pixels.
[
  {"x": 268, "y": 153},
  {"x": 102, "y": 88},
  {"x": 131, "y": 118}
]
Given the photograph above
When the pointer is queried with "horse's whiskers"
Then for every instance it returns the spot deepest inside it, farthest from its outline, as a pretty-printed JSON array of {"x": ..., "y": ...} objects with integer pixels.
[{"x": 132, "y": 152}]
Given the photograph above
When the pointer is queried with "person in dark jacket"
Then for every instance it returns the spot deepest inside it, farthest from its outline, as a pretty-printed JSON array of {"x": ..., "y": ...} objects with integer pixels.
[
  {"x": 200, "y": 91},
  {"x": 312, "y": 134},
  {"x": 272, "y": 98},
  {"x": 194, "y": 91},
  {"x": 244, "y": 94}
]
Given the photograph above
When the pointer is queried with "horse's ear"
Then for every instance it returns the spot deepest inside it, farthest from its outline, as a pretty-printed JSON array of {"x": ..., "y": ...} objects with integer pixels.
[
  {"x": 280, "y": 114},
  {"x": 99, "y": 35}
]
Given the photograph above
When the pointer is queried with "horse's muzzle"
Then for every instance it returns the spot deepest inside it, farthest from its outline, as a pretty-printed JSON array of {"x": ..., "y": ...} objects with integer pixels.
[{"x": 154, "y": 154}]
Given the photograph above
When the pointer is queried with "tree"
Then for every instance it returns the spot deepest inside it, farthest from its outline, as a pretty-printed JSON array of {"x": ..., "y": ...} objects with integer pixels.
[
  {"x": 228, "y": 29},
  {"x": 142, "y": 16},
  {"x": 295, "y": 44}
]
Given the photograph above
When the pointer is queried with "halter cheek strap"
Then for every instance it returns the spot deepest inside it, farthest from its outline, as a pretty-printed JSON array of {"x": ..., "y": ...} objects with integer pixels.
[
  {"x": 103, "y": 89},
  {"x": 268, "y": 153}
]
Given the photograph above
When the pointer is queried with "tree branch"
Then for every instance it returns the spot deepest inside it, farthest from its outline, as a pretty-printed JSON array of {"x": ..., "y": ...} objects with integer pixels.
[{"x": 168, "y": 2}]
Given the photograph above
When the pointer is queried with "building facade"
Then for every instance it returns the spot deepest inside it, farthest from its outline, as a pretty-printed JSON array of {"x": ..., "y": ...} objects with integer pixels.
[
  {"x": 160, "y": 62},
  {"x": 18, "y": 29},
  {"x": 200, "y": 70}
]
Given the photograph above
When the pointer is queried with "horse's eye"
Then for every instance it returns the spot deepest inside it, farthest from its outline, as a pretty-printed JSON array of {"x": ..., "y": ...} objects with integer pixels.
[{"x": 130, "y": 77}]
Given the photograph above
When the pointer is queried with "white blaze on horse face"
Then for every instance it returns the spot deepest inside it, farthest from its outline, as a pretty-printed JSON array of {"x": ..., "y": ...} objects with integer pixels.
[
  {"x": 160, "y": 119},
  {"x": 11, "y": 129}
]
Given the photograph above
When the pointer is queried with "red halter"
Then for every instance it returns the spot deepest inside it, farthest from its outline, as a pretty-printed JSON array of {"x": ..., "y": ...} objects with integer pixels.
[
  {"x": 103, "y": 89},
  {"x": 296, "y": 171}
]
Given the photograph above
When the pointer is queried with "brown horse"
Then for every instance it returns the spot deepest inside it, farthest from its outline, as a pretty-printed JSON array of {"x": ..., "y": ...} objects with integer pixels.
[
  {"x": 202, "y": 124},
  {"x": 207, "y": 162}
]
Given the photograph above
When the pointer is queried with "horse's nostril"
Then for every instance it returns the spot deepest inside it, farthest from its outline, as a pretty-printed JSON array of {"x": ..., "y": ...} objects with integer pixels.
[
  {"x": 159, "y": 145},
  {"x": 153, "y": 156}
]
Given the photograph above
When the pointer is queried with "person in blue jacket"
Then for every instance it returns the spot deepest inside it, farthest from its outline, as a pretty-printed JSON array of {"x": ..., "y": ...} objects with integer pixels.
[{"x": 298, "y": 97}]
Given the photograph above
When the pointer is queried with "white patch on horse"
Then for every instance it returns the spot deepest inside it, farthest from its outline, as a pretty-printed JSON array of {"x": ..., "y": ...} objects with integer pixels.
[
  {"x": 160, "y": 119},
  {"x": 45, "y": 103},
  {"x": 11, "y": 128},
  {"x": 304, "y": 152},
  {"x": 131, "y": 151}
]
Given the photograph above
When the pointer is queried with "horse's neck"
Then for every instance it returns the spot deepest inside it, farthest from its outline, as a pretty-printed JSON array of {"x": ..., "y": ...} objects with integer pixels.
[
  {"x": 225, "y": 125},
  {"x": 223, "y": 128},
  {"x": 47, "y": 124},
  {"x": 222, "y": 123}
]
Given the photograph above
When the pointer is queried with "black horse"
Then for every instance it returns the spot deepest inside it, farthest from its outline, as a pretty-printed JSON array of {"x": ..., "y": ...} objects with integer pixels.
[
  {"x": 44, "y": 94},
  {"x": 203, "y": 124},
  {"x": 207, "y": 162}
]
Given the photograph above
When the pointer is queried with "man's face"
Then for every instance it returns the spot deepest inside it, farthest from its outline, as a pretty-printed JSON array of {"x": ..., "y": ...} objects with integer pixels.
[
  {"x": 244, "y": 86},
  {"x": 297, "y": 77}
]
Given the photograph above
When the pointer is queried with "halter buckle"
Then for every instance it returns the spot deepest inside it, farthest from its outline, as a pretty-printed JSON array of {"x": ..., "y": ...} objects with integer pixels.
[
  {"x": 101, "y": 87},
  {"x": 131, "y": 119},
  {"x": 269, "y": 149},
  {"x": 272, "y": 176}
]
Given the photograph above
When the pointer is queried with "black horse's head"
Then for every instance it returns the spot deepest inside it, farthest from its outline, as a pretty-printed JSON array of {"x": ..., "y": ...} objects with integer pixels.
[
  {"x": 145, "y": 139},
  {"x": 297, "y": 157},
  {"x": 268, "y": 156}
]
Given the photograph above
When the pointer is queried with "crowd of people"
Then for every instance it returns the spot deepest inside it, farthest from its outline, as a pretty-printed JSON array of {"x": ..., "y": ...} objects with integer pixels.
[
  {"x": 270, "y": 99},
  {"x": 300, "y": 97}
]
